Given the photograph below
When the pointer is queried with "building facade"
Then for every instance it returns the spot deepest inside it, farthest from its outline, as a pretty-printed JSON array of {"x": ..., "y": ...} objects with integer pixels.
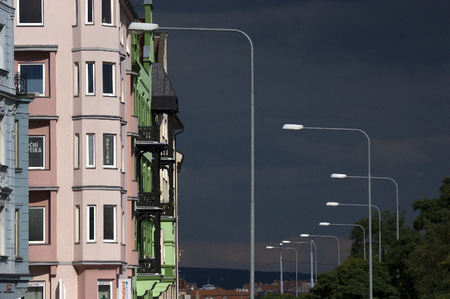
[
  {"x": 77, "y": 57},
  {"x": 14, "y": 274},
  {"x": 157, "y": 163}
]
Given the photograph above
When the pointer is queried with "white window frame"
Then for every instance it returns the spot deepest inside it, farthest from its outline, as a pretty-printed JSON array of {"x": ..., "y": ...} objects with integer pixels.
[
  {"x": 94, "y": 224},
  {"x": 90, "y": 165},
  {"x": 113, "y": 79},
  {"x": 43, "y": 225},
  {"x": 76, "y": 149},
  {"x": 114, "y": 223},
  {"x": 92, "y": 12},
  {"x": 43, "y": 151},
  {"x": 111, "y": 3},
  {"x": 77, "y": 224},
  {"x": 76, "y": 79},
  {"x": 43, "y": 76},
  {"x": 90, "y": 76},
  {"x": 37, "y": 284},
  {"x": 30, "y": 24},
  {"x": 105, "y": 282},
  {"x": 113, "y": 151}
]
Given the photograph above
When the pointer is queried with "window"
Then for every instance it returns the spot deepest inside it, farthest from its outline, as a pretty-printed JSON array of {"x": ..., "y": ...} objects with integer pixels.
[
  {"x": 37, "y": 225},
  {"x": 89, "y": 11},
  {"x": 77, "y": 224},
  {"x": 16, "y": 233},
  {"x": 91, "y": 236},
  {"x": 104, "y": 289},
  {"x": 36, "y": 290},
  {"x": 76, "y": 154},
  {"x": 76, "y": 79},
  {"x": 108, "y": 78},
  {"x": 106, "y": 12},
  {"x": 35, "y": 74},
  {"x": 90, "y": 150},
  {"x": 30, "y": 12},
  {"x": 90, "y": 78},
  {"x": 109, "y": 150},
  {"x": 1, "y": 233},
  {"x": 109, "y": 223},
  {"x": 2, "y": 47},
  {"x": 16, "y": 143},
  {"x": 36, "y": 149}
]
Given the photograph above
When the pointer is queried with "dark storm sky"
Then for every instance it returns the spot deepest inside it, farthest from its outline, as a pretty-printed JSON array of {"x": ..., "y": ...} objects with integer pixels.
[{"x": 379, "y": 66}]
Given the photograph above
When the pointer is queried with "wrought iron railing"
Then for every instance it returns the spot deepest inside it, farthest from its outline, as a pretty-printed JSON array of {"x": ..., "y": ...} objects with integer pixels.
[
  {"x": 149, "y": 265},
  {"x": 153, "y": 199},
  {"x": 20, "y": 83},
  {"x": 148, "y": 132}
]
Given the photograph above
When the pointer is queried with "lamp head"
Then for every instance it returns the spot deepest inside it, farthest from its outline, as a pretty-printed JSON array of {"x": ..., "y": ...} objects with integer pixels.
[
  {"x": 338, "y": 175},
  {"x": 137, "y": 27},
  {"x": 270, "y": 247},
  {"x": 292, "y": 127},
  {"x": 332, "y": 204},
  {"x": 324, "y": 223},
  {"x": 304, "y": 235},
  {"x": 286, "y": 242}
]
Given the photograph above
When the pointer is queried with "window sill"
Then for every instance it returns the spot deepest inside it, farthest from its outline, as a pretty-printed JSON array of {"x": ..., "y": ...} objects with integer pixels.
[
  {"x": 30, "y": 25},
  {"x": 19, "y": 259},
  {"x": 109, "y": 95},
  {"x": 110, "y": 242},
  {"x": 110, "y": 167},
  {"x": 31, "y": 244}
]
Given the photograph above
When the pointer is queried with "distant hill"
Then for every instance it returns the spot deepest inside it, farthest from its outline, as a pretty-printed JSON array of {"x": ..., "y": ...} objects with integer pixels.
[{"x": 230, "y": 279}]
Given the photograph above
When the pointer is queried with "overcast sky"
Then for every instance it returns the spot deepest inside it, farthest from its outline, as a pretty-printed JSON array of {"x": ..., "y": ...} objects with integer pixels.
[{"x": 378, "y": 66}]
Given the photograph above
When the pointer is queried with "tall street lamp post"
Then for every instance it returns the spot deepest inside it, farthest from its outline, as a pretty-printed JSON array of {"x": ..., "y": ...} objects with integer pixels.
[
  {"x": 341, "y": 224},
  {"x": 335, "y": 204},
  {"x": 397, "y": 214},
  {"x": 311, "y": 255},
  {"x": 281, "y": 265},
  {"x": 151, "y": 27},
  {"x": 325, "y": 236},
  {"x": 297, "y": 127}
]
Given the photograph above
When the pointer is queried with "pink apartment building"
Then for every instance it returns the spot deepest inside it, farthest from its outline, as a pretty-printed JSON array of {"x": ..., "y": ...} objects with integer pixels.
[{"x": 76, "y": 55}]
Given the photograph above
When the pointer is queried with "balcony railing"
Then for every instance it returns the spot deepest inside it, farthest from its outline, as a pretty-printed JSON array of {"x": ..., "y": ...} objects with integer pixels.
[
  {"x": 148, "y": 133},
  {"x": 20, "y": 83},
  {"x": 149, "y": 265},
  {"x": 153, "y": 200}
]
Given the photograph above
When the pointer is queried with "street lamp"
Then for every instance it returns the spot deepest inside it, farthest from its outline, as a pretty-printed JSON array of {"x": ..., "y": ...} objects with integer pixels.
[
  {"x": 311, "y": 255},
  {"x": 340, "y": 224},
  {"x": 296, "y": 127},
  {"x": 344, "y": 176},
  {"x": 336, "y": 204},
  {"x": 150, "y": 27},
  {"x": 325, "y": 236},
  {"x": 281, "y": 265}
]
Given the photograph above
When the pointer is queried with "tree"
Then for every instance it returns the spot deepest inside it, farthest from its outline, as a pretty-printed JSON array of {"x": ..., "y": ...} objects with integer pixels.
[{"x": 351, "y": 280}]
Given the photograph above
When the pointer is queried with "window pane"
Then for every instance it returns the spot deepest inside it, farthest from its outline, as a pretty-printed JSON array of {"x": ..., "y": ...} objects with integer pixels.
[
  {"x": 91, "y": 224},
  {"x": 108, "y": 150},
  {"x": 106, "y": 12},
  {"x": 89, "y": 11},
  {"x": 90, "y": 78},
  {"x": 30, "y": 11},
  {"x": 108, "y": 77},
  {"x": 36, "y": 225},
  {"x": 108, "y": 222},
  {"x": 35, "y": 77},
  {"x": 104, "y": 291},
  {"x": 35, "y": 293},
  {"x": 91, "y": 150},
  {"x": 36, "y": 151}
]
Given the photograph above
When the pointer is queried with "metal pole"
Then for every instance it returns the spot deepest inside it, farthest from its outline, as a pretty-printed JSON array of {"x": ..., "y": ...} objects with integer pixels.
[
  {"x": 281, "y": 271},
  {"x": 252, "y": 145},
  {"x": 312, "y": 266}
]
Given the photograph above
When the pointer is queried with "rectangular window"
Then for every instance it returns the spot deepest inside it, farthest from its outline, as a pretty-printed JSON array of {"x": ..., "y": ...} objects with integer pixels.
[
  {"x": 76, "y": 79},
  {"x": 36, "y": 290},
  {"x": 89, "y": 11},
  {"x": 90, "y": 150},
  {"x": 90, "y": 78},
  {"x": 37, "y": 225},
  {"x": 35, "y": 74},
  {"x": 16, "y": 143},
  {"x": 77, "y": 224},
  {"x": 36, "y": 149},
  {"x": 104, "y": 289},
  {"x": 1, "y": 233},
  {"x": 76, "y": 154},
  {"x": 108, "y": 79},
  {"x": 107, "y": 12},
  {"x": 16, "y": 233},
  {"x": 109, "y": 223},
  {"x": 109, "y": 150},
  {"x": 91, "y": 236},
  {"x": 30, "y": 12}
]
